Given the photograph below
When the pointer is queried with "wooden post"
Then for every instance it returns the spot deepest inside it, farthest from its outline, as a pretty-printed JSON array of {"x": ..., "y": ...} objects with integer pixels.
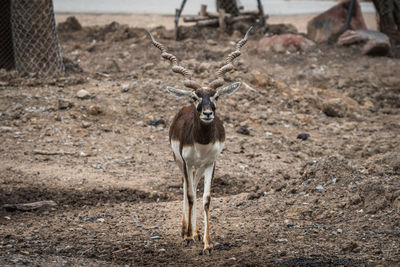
[
  {"x": 221, "y": 20},
  {"x": 203, "y": 11}
]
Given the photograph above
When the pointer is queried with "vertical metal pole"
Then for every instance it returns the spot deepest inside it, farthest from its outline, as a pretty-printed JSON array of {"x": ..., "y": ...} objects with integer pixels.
[
  {"x": 349, "y": 15},
  {"x": 261, "y": 13},
  {"x": 178, "y": 13}
]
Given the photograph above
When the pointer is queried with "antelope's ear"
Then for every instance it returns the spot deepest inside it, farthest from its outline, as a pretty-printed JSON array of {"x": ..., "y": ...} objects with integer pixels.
[
  {"x": 228, "y": 90},
  {"x": 178, "y": 92}
]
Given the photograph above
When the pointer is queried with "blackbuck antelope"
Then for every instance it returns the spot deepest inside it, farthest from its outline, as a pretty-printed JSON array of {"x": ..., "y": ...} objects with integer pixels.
[{"x": 197, "y": 137}]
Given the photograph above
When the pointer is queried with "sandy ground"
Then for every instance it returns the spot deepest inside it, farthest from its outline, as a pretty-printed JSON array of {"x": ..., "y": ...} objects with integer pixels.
[{"x": 332, "y": 199}]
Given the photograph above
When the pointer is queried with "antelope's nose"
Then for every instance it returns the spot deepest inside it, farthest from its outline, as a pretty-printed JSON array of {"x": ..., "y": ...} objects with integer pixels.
[{"x": 207, "y": 113}]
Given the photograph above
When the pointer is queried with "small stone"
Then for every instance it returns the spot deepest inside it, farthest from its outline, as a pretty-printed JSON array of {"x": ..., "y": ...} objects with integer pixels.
[
  {"x": 319, "y": 187},
  {"x": 95, "y": 110},
  {"x": 148, "y": 66},
  {"x": 203, "y": 67},
  {"x": 157, "y": 122},
  {"x": 155, "y": 237},
  {"x": 211, "y": 42},
  {"x": 65, "y": 104},
  {"x": 5, "y": 129},
  {"x": 150, "y": 117},
  {"x": 243, "y": 130},
  {"x": 259, "y": 80},
  {"x": 232, "y": 103},
  {"x": 334, "y": 107},
  {"x": 83, "y": 94},
  {"x": 86, "y": 124},
  {"x": 254, "y": 195},
  {"x": 303, "y": 136},
  {"x": 125, "y": 88}
]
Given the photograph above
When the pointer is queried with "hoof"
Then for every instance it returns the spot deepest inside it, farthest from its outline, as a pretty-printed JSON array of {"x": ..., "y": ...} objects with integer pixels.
[
  {"x": 188, "y": 241},
  {"x": 207, "y": 251},
  {"x": 198, "y": 237}
]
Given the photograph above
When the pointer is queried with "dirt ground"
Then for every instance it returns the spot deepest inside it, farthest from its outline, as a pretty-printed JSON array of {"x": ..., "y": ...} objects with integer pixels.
[{"x": 277, "y": 200}]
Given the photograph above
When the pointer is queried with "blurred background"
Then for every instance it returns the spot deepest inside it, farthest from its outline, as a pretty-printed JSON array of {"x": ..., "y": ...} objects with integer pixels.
[{"x": 271, "y": 7}]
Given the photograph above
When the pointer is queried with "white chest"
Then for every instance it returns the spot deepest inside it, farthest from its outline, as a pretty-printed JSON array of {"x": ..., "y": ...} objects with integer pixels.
[{"x": 198, "y": 155}]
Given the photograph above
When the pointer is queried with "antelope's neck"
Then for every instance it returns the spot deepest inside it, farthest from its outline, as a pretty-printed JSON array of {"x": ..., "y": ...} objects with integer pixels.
[{"x": 206, "y": 133}]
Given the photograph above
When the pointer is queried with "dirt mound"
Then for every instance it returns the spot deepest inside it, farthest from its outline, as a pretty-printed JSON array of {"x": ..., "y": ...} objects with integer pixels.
[
  {"x": 336, "y": 175},
  {"x": 113, "y": 32},
  {"x": 330, "y": 171}
]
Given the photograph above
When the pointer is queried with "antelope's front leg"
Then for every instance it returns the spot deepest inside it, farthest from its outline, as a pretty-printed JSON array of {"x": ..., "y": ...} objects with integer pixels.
[
  {"x": 189, "y": 205},
  {"x": 208, "y": 176}
]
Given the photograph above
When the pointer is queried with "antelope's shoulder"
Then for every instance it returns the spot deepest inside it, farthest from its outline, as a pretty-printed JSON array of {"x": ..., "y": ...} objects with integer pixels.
[{"x": 182, "y": 120}]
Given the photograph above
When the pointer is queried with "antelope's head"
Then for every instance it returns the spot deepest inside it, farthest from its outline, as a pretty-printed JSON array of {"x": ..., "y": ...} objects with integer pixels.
[{"x": 204, "y": 98}]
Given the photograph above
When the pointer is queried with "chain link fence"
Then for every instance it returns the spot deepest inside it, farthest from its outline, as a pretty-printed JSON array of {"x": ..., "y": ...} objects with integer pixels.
[
  {"x": 230, "y": 6},
  {"x": 29, "y": 40}
]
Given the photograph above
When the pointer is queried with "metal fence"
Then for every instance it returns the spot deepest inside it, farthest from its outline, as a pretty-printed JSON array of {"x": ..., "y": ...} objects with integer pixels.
[
  {"x": 230, "y": 6},
  {"x": 29, "y": 41}
]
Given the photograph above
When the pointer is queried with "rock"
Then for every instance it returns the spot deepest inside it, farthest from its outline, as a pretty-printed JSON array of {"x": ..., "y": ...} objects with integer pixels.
[
  {"x": 369, "y": 106},
  {"x": 350, "y": 247},
  {"x": 259, "y": 80},
  {"x": 376, "y": 43},
  {"x": 83, "y": 94},
  {"x": 5, "y": 129},
  {"x": 70, "y": 25},
  {"x": 330, "y": 24},
  {"x": 95, "y": 110},
  {"x": 150, "y": 117},
  {"x": 232, "y": 103},
  {"x": 156, "y": 122},
  {"x": 126, "y": 87},
  {"x": 335, "y": 104},
  {"x": 211, "y": 42},
  {"x": 285, "y": 42},
  {"x": 65, "y": 104},
  {"x": 303, "y": 136},
  {"x": 253, "y": 195},
  {"x": 203, "y": 67},
  {"x": 86, "y": 124},
  {"x": 276, "y": 29},
  {"x": 334, "y": 107},
  {"x": 243, "y": 130}
]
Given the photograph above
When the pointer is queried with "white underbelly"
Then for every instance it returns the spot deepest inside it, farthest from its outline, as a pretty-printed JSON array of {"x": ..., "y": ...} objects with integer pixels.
[{"x": 198, "y": 155}]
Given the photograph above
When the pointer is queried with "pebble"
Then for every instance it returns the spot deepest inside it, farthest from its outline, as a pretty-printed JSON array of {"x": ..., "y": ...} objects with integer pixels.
[
  {"x": 95, "y": 110},
  {"x": 83, "y": 94},
  {"x": 243, "y": 130},
  {"x": 155, "y": 237},
  {"x": 303, "y": 136},
  {"x": 65, "y": 104},
  {"x": 5, "y": 129},
  {"x": 86, "y": 124},
  {"x": 232, "y": 103},
  {"x": 211, "y": 42},
  {"x": 319, "y": 187}
]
